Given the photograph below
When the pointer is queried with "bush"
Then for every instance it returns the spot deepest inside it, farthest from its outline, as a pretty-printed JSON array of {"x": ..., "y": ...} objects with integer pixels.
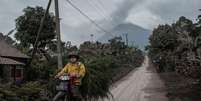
[
  {"x": 177, "y": 47},
  {"x": 26, "y": 92},
  {"x": 104, "y": 66}
]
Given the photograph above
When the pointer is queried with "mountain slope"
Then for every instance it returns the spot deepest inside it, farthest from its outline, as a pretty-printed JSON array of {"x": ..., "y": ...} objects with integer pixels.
[{"x": 137, "y": 35}]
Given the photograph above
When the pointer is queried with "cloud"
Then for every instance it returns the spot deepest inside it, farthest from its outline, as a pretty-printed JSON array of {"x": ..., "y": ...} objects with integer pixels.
[
  {"x": 118, "y": 16},
  {"x": 80, "y": 33},
  {"x": 76, "y": 27},
  {"x": 107, "y": 13},
  {"x": 123, "y": 10},
  {"x": 163, "y": 11},
  {"x": 146, "y": 19},
  {"x": 11, "y": 10},
  {"x": 169, "y": 9}
]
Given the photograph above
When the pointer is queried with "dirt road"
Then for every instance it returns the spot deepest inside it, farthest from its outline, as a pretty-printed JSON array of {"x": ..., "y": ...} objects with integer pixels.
[{"x": 140, "y": 85}]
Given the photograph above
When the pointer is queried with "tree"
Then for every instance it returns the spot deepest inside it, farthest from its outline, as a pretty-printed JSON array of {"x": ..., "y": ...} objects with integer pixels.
[
  {"x": 178, "y": 46},
  {"x": 162, "y": 42},
  {"x": 28, "y": 24}
]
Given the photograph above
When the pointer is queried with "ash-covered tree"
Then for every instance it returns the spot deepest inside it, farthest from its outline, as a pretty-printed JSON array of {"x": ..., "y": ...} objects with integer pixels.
[
  {"x": 28, "y": 24},
  {"x": 178, "y": 46},
  {"x": 162, "y": 43}
]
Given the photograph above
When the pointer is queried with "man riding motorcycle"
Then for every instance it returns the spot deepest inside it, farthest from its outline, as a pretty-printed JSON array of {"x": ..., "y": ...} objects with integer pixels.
[{"x": 75, "y": 69}]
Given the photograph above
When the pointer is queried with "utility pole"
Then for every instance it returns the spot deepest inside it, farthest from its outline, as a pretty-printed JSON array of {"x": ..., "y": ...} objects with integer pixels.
[
  {"x": 92, "y": 37},
  {"x": 126, "y": 35},
  {"x": 59, "y": 52},
  {"x": 133, "y": 44}
]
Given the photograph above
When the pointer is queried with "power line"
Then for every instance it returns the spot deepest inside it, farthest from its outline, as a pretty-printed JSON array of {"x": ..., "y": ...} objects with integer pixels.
[
  {"x": 74, "y": 14},
  {"x": 96, "y": 8},
  {"x": 91, "y": 20},
  {"x": 99, "y": 6},
  {"x": 100, "y": 10},
  {"x": 39, "y": 31},
  {"x": 103, "y": 5},
  {"x": 110, "y": 16},
  {"x": 103, "y": 8}
]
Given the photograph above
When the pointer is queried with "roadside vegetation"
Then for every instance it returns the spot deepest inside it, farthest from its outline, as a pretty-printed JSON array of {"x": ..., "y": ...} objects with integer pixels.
[
  {"x": 176, "y": 52},
  {"x": 105, "y": 62}
]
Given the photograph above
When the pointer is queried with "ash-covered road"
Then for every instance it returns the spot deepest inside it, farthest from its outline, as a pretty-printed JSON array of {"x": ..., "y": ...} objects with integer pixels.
[{"x": 143, "y": 84}]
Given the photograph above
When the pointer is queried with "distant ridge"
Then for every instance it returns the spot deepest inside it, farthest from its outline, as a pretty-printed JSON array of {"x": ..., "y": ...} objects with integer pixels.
[{"x": 136, "y": 34}]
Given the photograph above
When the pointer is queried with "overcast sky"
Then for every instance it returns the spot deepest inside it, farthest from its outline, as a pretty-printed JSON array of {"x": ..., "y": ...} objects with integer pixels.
[{"x": 107, "y": 13}]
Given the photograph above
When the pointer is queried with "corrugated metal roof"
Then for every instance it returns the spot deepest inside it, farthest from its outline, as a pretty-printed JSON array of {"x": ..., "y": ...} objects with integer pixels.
[
  {"x": 7, "y": 61},
  {"x": 9, "y": 51}
]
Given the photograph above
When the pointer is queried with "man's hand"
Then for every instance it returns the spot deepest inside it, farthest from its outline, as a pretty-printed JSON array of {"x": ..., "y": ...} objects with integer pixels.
[{"x": 56, "y": 77}]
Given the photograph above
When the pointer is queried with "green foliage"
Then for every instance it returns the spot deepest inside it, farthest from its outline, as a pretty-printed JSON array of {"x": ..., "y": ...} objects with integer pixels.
[
  {"x": 27, "y": 92},
  {"x": 29, "y": 89},
  {"x": 105, "y": 65},
  {"x": 163, "y": 38},
  {"x": 117, "y": 43},
  {"x": 28, "y": 24},
  {"x": 98, "y": 79},
  {"x": 105, "y": 62},
  {"x": 177, "y": 47},
  {"x": 41, "y": 69}
]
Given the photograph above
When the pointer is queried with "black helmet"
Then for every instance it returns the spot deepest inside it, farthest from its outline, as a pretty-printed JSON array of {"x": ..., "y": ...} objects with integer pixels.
[{"x": 73, "y": 54}]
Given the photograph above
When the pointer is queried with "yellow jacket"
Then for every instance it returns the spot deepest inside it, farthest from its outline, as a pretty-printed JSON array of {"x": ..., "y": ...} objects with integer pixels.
[{"x": 77, "y": 68}]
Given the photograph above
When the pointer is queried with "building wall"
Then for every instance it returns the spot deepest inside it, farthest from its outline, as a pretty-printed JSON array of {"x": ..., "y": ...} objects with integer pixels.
[
  {"x": 7, "y": 73},
  {"x": 1, "y": 73},
  {"x": 11, "y": 73}
]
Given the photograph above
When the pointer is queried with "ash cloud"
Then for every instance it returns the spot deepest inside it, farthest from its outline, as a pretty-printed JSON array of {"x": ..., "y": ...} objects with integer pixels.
[{"x": 145, "y": 13}]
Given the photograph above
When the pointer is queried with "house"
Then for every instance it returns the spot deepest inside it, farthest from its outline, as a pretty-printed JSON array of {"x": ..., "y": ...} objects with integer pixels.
[{"x": 12, "y": 62}]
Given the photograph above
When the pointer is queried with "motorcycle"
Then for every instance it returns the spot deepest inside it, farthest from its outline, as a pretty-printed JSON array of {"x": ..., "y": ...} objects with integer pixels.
[{"x": 65, "y": 87}]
